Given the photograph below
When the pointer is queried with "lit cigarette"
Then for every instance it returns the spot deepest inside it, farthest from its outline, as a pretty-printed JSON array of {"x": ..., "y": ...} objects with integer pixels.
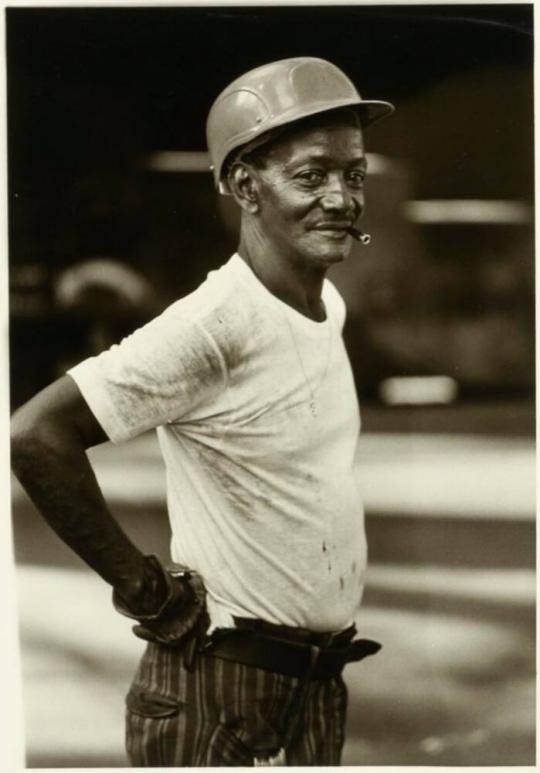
[{"x": 359, "y": 235}]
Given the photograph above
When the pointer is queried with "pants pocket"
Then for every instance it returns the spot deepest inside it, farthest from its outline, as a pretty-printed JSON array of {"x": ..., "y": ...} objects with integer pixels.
[
  {"x": 153, "y": 724},
  {"x": 149, "y": 704}
]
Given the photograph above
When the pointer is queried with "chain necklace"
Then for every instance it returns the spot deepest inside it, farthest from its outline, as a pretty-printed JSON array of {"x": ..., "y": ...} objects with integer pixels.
[{"x": 312, "y": 402}]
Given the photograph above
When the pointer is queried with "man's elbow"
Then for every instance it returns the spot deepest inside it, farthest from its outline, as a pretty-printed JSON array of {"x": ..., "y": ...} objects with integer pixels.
[
  {"x": 23, "y": 433},
  {"x": 26, "y": 438},
  {"x": 34, "y": 436}
]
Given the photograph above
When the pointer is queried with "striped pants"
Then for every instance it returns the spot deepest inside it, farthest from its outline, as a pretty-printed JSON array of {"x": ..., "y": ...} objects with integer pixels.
[{"x": 229, "y": 714}]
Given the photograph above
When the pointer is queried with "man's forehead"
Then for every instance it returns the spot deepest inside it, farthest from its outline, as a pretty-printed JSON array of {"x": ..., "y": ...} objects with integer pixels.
[{"x": 321, "y": 141}]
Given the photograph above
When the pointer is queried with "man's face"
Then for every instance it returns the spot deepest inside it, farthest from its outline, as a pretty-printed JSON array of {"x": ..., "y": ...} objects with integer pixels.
[{"x": 310, "y": 190}]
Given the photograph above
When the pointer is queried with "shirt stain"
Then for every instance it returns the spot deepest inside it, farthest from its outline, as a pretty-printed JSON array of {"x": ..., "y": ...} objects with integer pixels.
[
  {"x": 227, "y": 475},
  {"x": 341, "y": 583}
]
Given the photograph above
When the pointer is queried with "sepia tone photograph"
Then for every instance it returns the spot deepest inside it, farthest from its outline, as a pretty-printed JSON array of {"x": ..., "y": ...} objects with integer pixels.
[{"x": 272, "y": 383}]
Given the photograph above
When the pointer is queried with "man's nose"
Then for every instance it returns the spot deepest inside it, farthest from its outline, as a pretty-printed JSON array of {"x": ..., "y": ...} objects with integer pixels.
[{"x": 338, "y": 198}]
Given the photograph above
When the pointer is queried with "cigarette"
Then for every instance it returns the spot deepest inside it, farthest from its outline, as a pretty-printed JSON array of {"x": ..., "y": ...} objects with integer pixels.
[{"x": 360, "y": 236}]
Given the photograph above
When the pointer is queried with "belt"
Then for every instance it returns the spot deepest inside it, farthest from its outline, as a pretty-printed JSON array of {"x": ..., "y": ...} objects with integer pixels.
[
  {"x": 301, "y": 635},
  {"x": 284, "y": 656}
]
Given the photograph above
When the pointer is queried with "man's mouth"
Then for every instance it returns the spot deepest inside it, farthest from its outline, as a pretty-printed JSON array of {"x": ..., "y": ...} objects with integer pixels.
[{"x": 337, "y": 230}]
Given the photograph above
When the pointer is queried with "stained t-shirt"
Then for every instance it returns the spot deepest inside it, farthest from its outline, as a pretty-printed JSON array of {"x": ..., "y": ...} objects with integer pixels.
[{"x": 258, "y": 423}]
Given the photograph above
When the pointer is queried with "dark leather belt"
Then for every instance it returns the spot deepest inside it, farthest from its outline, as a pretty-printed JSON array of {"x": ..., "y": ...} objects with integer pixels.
[{"x": 285, "y": 656}]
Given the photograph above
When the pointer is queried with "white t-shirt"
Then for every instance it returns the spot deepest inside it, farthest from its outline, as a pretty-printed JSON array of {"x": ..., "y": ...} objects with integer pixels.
[{"x": 258, "y": 424}]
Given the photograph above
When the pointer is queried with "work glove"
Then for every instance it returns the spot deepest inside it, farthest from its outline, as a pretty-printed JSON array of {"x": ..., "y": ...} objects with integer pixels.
[{"x": 182, "y": 619}]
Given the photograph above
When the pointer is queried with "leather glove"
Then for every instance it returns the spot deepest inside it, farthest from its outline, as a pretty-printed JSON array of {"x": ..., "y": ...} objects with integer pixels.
[{"x": 181, "y": 619}]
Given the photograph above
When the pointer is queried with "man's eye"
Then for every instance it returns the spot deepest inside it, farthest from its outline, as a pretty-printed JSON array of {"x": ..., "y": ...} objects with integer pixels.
[
  {"x": 311, "y": 177},
  {"x": 356, "y": 179}
]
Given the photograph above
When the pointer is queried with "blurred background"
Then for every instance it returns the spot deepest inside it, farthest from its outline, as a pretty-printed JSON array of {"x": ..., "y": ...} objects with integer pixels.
[{"x": 112, "y": 215}]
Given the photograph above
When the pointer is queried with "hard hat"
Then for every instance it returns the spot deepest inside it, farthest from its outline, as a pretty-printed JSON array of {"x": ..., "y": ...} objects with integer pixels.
[{"x": 276, "y": 94}]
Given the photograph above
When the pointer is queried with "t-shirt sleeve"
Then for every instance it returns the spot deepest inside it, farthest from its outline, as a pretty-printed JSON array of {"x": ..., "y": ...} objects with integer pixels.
[{"x": 163, "y": 372}]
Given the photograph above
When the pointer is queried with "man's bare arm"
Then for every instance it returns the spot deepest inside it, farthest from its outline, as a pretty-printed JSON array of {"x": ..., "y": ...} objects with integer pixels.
[{"x": 50, "y": 435}]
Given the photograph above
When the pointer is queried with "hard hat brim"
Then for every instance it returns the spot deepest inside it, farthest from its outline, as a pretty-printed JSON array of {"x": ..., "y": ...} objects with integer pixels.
[{"x": 372, "y": 110}]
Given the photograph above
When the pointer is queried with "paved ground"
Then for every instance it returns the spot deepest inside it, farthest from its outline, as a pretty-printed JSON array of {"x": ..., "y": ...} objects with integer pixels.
[{"x": 450, "y": 594}]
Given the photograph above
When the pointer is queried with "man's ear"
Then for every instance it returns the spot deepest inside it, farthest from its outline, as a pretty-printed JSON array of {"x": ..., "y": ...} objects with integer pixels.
[{"x": 243, "y": 187}]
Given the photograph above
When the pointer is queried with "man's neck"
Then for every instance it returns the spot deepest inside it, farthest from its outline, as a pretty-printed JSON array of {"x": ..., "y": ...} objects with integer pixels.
[{"x": 298, "y": 287}]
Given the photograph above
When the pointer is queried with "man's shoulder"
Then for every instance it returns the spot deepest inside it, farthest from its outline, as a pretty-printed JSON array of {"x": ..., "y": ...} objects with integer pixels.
[
  {"x": 217, "y": 290},
  {"x": 221, "y": 305}
]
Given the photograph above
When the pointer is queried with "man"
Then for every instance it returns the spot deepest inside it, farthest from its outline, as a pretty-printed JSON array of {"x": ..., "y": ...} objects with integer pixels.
[{"x": 249, "y": 386}]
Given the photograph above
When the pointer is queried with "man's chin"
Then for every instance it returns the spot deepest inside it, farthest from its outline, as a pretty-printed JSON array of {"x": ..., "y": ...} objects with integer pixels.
[
  {"x": 330, "y": 257},
  {"x": 325, "y": 256},
  {"x": 330, "y": 252}
]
